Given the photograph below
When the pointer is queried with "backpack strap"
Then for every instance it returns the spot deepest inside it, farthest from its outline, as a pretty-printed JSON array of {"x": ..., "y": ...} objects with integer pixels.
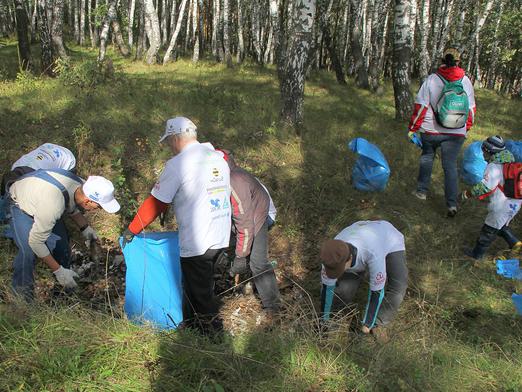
[
  {"x": 44, "y": 175},
  {"x": 442, "y": 78}
]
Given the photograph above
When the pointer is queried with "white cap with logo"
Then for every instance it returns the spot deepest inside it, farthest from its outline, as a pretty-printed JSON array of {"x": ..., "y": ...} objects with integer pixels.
[
  {"x": 178, "y": 125},
  {"x": 101, "y": 191}
]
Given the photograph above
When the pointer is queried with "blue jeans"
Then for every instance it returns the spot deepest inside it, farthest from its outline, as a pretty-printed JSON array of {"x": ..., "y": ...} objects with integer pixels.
[
  {"x": 450, "y": 147},
  {"x": 25, "y": 260}
]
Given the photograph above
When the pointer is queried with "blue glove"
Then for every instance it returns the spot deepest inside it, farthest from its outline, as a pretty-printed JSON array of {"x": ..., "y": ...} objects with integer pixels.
[{"x": 415, "y": 139}]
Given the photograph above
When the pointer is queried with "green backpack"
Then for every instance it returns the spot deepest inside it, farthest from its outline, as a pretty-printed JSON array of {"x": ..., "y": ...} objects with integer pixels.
[{"x": 452, "y": 108}]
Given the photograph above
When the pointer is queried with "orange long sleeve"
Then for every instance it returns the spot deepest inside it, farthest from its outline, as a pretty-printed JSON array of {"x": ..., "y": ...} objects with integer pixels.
[{"x": 150, "y": 209}]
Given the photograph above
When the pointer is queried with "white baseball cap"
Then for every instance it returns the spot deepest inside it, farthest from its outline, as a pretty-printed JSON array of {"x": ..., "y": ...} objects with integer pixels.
[
  {"x": 101, "y": 191},
  {"x": 178, "y": 125}
]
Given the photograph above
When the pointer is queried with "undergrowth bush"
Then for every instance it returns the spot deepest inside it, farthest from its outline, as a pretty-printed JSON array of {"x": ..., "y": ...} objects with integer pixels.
[{"x": 88, "y": 73}]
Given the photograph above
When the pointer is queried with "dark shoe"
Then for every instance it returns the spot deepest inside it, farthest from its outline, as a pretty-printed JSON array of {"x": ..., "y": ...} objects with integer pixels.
[
  {"x": 470, "y": 252},
  {"x": 452, "y": 211}
]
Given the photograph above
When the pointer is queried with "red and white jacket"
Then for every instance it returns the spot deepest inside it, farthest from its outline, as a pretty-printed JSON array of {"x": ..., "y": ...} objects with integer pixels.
[{"x": 423, "y": 117}]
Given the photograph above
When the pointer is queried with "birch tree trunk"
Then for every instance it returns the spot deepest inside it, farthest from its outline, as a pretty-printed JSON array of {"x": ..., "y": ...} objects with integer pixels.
[
  {"x": 240, "y": 40},
  {"x": 142, "y": 36},
  {"x": 293, "y": 82},
  {"x": 188, "y": 27},
  {"x": 199, "y": 31},
  {"x": 24, "y": 45},
  {"x": 116, "y": 31},
  {"x": 45, "y": 38},
  {"x": 459, "y": 31},
  {"x": 401, "y": 60},
  {"x": 33, "y": 21},
  {"x": 164, "y": 18},
  {"x": 152, "y": 30},
  {"x": 436, "y": 32},
  {"x": 495, "y": 52},
  {"x": 226, "y": 36},
  {"x": 215, "y": 24},
  {"x": 473, "y": 65},
  {"x": 361, "y": 77},
  {"x": 82, "y": 22},
  {"x": 424, "y": 31},
  {"x": 194, "y": 14},
  {"x": 256, "y": 33},
  {"x": 130, "y": 33},
  {"x": 444, "y": 31},
  {"x": 76, "y": 20},
  {"x": 174, "y": 37},
  {"x": 379, "y": 28},
  {"x": 325, "y": 7},
  {"x": 57, "y": 30},
  {"x": 91, "y": 24}
]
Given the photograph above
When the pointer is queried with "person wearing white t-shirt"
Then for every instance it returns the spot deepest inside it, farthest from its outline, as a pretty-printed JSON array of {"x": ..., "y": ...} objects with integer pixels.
[
  {"x": 375, "y": 248},
  {"x": 197, "y": 181},
  {"x": 47, "y": 156},
  {"x": 502, "y": 209}
]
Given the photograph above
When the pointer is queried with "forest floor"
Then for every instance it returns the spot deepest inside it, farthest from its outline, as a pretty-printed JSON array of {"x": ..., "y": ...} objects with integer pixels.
[{"x": 457, "y": 328}]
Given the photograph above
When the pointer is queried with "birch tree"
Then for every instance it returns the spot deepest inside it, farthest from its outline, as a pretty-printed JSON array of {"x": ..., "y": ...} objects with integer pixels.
[
  {"x": 424, "y": 29},
  {"x": 401, "y": 60},
  {"x": 240, "y": 38},
  {"x": 174, "y": 37},
  {"x": 45, "y": 38},
  {"x": 57, "y": 29},
  {"x": 82, "y": 21},
  {"x": 226, "y": 36},
  {"x": 474, "y": 42},
  {"x": 152, "y": 30},
  {"x": 24, "y": 46},
  {"x": 361, "y": 75},
  {"x": 198, "y": 31},
  {"x": 132, "y": 9},
  {"x": 293, "y": 81}
]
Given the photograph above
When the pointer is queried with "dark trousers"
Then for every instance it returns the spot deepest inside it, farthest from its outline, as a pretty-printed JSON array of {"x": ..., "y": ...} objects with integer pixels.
[
  {"x": 487, "y": 235},
  {"x": 450, "y": 147},
  {"x": 265, "y": 279},
  {"x": 394, "y": 291},
  {"x": 200, "y": 305}
]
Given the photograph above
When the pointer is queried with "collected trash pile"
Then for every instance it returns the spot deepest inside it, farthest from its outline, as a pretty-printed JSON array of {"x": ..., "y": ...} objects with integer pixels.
[{"x": 511, "y": 269}]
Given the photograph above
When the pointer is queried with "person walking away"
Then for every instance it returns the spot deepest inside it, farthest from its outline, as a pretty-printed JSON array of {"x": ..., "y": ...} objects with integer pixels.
[{"x": 443, "y": 114}]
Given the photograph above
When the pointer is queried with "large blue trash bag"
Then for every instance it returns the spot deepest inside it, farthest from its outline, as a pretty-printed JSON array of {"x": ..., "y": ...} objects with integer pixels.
[
  {"x": 515, "y": 148},
  {"x": 473, "y": 164},
  {"x": 371, "y": 171},
  {"x": 517, "y": 301},
  {"x": 153, "y": 291}
]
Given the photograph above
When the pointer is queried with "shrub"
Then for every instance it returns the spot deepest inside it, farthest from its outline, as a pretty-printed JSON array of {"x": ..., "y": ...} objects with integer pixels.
[{"x": 87, "y": 74}]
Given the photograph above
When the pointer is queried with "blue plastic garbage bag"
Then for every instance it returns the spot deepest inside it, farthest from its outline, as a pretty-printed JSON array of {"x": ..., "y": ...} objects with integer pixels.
[
  {"x": 371, "y": 171},
  {"x": 517, "y": 301},
  {"x": 515, "y": 148},
  {"x": 508, "y": 268},
  {"x": 473, "y": 164},
  {"x": 153, "y": 290}
]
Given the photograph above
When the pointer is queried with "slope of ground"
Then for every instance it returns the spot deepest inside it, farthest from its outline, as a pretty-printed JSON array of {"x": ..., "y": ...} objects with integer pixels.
[{"x": 456, "y": 328}]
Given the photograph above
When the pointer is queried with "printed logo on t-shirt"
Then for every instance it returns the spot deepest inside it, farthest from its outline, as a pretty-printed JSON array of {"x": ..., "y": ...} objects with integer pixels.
[
  {"x": 57, "y": 153},
  {"x": 215, "y": 204},
  {"x": 379, "y": 278},
  {"x": 40, "y": 157},
  {"x": 226, "y": 203},
  {"x": 216, "y": 175}
]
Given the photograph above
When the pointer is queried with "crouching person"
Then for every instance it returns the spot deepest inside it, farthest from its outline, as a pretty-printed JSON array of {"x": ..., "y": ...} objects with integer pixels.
[
  {"x": 373, "y": 247},
  {"x": 504, "y": 202},
  {"x": 37, "y": 203},
  {"x": 251, "y": 220}
]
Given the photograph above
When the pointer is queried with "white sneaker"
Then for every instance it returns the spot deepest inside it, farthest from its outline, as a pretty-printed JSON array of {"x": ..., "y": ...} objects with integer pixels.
[{"x": 419, "y": 195}]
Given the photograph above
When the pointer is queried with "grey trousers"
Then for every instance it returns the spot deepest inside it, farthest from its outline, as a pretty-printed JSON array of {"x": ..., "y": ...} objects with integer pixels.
[
  {"x": 394, "y": 291},
  {"x": 266, "y": 282}
]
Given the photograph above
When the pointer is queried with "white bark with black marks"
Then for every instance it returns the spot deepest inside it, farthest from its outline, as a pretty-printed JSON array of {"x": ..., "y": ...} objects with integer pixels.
[
  {"x": 401, "y": 60},
  {"x": 177, "y": 29},
  {"x": 152, "y": 30},
  {"x": 57, "y": 30},
  {"x": 226, "y": 33},
  {"x": 24, "y": 45},
  {"x": 293, "y": 81}
]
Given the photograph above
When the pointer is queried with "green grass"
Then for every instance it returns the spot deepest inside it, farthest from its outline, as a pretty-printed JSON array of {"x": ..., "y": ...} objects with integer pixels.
[{"x": 457, "y": 329}]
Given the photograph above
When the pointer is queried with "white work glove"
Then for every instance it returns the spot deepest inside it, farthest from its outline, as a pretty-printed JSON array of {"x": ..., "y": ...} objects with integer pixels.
[
  {"x": 66, "y": 277},
  {"x": 90, "y": 235}
]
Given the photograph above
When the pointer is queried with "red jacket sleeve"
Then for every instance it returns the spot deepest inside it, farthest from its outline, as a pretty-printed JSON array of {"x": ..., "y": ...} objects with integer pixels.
[
  {"x": 243, "y": 219},
  {"x": 471, "y": 118},
  {"x": 148, "y": 211},
  {"x": 419, "y": 112}
]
